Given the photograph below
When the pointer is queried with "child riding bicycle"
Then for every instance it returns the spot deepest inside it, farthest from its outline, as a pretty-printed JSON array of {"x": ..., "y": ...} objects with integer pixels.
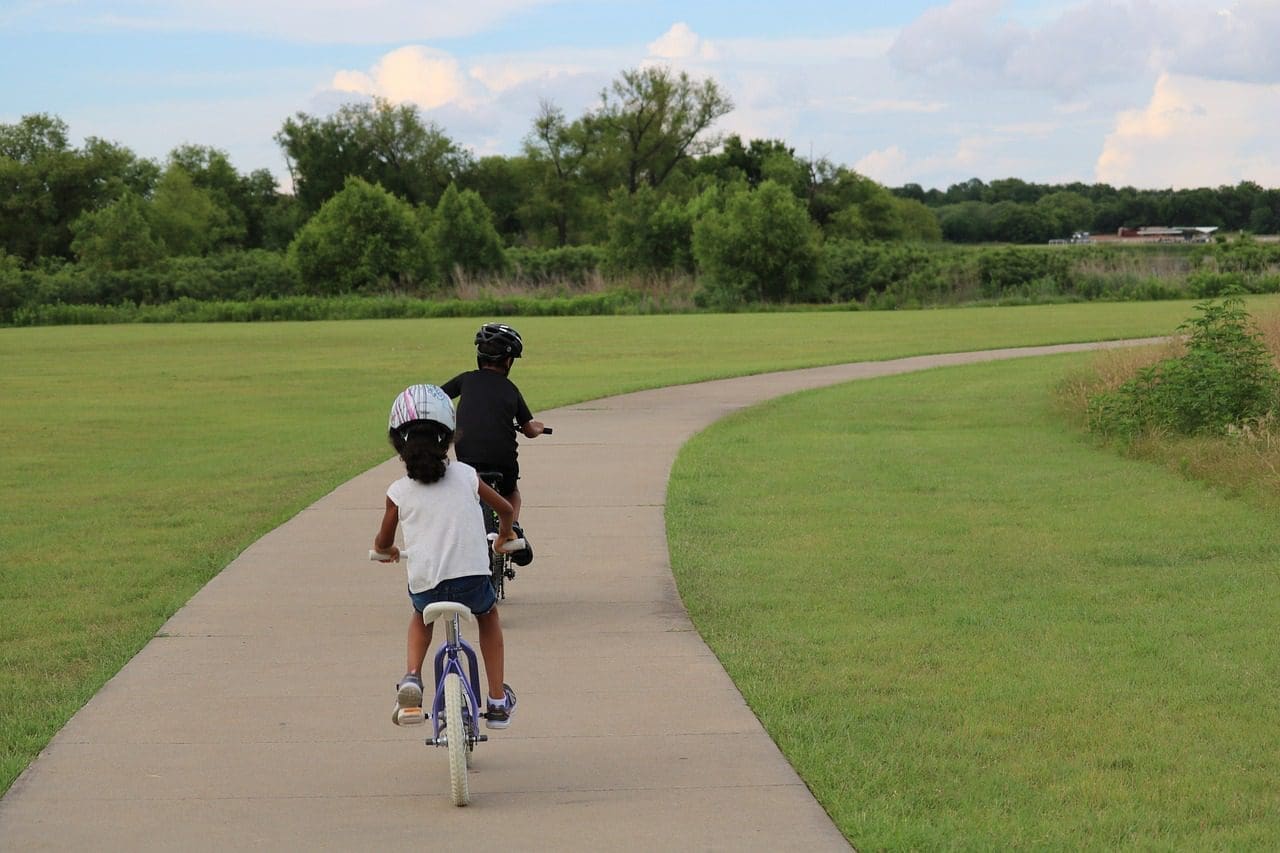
[
  {"x": 490, "y": 411},
  {"x": 438, "y": 505}
]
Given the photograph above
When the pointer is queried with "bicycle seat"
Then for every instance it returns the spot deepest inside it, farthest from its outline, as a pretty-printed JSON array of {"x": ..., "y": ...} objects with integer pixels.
[
  {"x": 492, "y": 479},
  {"x": 441, "y": 609}
]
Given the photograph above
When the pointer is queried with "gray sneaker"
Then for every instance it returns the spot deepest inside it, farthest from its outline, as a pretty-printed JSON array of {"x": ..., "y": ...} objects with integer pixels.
[
  {"x": 500, "y": 718},
  {"x": 408, "y": 709}
]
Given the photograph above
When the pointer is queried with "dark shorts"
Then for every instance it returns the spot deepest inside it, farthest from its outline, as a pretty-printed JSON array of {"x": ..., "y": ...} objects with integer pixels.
[
  {"x": 474, "y": 592},
  {"x": 510, "y": 475}
]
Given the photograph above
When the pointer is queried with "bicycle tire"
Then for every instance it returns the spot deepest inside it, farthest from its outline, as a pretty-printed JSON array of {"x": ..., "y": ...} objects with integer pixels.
[{"x": 456, "y": 732}]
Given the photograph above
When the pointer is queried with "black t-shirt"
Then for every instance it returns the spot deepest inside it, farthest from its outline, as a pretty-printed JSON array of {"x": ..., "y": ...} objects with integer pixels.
[{"x": 490, "y": 410}]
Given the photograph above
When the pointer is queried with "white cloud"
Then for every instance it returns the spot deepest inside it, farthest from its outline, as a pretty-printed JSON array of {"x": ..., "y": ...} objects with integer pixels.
[
  {"x": 1100, "y": 42},
  {"x": 680, "y": 43},
  {"x": 419, "y": 75},
  {"x": 888, "y": 166},
  {"x": 1196, "y": 133}
]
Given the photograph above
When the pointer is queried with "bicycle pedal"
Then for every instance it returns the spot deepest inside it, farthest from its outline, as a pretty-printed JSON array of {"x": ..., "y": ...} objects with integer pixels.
[{"x": 410, "y": 717}]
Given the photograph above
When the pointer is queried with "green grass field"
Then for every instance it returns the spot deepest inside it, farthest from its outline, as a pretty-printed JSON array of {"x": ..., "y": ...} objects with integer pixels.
[
  {"x": 137, "y": 461},
  {"x": 969, "y": 627}
]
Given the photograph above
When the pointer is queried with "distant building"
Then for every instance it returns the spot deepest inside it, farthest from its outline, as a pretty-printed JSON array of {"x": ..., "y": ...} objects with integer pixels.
[{"x": 1168, "y": 234}]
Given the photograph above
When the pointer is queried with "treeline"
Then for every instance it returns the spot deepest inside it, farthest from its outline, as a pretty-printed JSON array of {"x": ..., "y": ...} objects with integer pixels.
[
  {"x": 384, "y": 203},
  {"x": 1015, "y": 211}
]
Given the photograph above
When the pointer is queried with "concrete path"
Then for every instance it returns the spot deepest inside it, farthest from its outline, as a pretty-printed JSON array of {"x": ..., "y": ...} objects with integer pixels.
[{"x": 259, "y": 718}]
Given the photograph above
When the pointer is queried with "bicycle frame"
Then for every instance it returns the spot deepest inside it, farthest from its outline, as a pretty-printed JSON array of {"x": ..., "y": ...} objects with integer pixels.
[
  {"x": 500, "y": 570},
  {"x": 447, "y": 660}
]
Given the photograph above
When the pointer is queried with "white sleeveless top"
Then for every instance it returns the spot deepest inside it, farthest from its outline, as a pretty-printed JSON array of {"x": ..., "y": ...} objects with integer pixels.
[{"x": 443, "y": 526}]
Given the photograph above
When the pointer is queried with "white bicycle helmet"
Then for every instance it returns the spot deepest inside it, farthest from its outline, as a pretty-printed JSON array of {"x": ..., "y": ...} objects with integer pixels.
[{"x": 422, "y": 403}]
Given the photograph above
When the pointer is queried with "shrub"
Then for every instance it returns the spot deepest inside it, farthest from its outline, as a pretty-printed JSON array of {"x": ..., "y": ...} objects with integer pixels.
[
  {"x": 462, "y": 236},
  {"x": 12, "y": 286},
  {"x": 761, "y": 247},
  {"x": 116, "y": 237},
  {"x": 1000, "y": 270},
  {"x": 1225, "y": 378},
  {"x": 362, "y": 239},
  {"x": 575, "y": 264}
]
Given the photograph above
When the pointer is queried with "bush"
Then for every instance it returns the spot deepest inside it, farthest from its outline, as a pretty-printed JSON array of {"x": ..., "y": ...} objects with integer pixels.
[
  {"x": 462, "y": 236},
  {"x": 231, "y": 275},
  {"x": 362, "y": 239},
  {"x": 1010, "y": 269},
  {"x": 762, "y": 247},
  {"x": 648, "y": 234},
  {"x": 348, "y": 307},
  {"x": 1225, "y": 378},
  {"x": 12, "y": 286},
  {"x": 574, "y": 264}
]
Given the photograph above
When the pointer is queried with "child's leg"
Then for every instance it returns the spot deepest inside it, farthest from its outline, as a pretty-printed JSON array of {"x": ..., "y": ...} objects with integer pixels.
[
  {"x": 418, "y": 643},
  {"x": 492, "y": 650}
]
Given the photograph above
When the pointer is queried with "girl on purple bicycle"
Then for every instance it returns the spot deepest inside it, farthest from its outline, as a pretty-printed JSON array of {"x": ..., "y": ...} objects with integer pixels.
[{"x": 438, "y": 505}]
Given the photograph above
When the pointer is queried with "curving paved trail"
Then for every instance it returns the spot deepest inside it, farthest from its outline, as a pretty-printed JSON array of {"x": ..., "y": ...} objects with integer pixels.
[{"x": 259, "y": 718}]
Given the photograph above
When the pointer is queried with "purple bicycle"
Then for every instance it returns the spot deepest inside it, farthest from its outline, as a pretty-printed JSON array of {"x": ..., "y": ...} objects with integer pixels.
[{"x": 455, "y": 709}]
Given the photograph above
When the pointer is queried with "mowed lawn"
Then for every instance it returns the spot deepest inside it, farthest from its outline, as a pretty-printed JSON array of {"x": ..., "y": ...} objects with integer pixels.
[
  {"x": 137, "y": 461},
  {"x": 968, "y": 627}
]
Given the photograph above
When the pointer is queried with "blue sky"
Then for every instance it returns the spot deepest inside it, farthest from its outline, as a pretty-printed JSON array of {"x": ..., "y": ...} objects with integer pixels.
[{"x": 1151, "y": 93}]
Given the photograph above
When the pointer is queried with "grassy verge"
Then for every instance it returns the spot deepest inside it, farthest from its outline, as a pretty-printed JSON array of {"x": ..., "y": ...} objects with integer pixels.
[
  {"x": 136, "y": 461},
  {"x": 968, "y": 626}
]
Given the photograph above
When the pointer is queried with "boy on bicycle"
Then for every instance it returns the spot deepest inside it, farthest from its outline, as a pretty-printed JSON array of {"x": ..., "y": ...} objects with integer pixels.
[{"x": 490, "y": 411}]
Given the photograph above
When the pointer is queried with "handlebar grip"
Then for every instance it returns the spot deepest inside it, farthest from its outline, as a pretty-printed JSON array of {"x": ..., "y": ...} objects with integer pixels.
[
  {"x": 379, "y": 556},
  {"x": 546, "y": 430},
  {"x": 511, "y": 547}
]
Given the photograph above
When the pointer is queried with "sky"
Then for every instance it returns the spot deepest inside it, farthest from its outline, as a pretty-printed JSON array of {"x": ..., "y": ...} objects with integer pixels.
[{"x": 1145, "y": 93}]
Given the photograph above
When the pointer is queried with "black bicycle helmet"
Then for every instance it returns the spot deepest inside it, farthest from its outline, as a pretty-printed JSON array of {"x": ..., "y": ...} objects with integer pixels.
[{"x": 497, "y": 342}]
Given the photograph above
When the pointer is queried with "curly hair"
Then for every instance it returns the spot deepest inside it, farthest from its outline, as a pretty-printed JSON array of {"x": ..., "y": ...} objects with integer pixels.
[{"x": 424, "y": 447}]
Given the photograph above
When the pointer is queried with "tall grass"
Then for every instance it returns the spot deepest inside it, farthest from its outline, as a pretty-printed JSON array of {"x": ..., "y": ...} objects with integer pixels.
[{"x": 1244, "y": 461}]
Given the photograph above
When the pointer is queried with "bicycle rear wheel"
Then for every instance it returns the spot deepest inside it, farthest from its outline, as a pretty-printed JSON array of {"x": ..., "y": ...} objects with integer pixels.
[{"x": 456, "y": 733}]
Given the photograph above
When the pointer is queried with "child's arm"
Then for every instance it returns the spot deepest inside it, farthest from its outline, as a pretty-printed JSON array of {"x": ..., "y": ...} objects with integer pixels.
[
  {"x": 385, "y": 541},
  {"x": 506, "y": 514}
]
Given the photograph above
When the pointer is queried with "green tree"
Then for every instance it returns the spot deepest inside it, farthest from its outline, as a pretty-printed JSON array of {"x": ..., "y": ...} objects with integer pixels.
[
  {"x": 383, "y": 144},
  {"x": 1068, "y": 211},
  {"x": 258, "y": 214},
  {"x": 656, "y": 120},
  {"x": 738, "y": 161},
  {"x": 12, "y": 286},
  {"x": 1012, "y": 222},
  {"x": 560, "y": 156},
  {"x": 760, "y": 247},
  {"x": 189, "y": 220},
  {"x": 917, "y": 221},
  {"x": 504, "y": 185},
  {"x": 116, "y": 237},
  {"x": 648, "y": 233},
  {"x": 363, "y": 239},
  {"x": 45, "y": 184},
  {"x": 462, "y": 237}
]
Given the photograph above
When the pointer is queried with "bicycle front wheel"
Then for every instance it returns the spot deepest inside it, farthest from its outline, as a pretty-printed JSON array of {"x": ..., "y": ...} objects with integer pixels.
[{"x": 456, "y": 733}]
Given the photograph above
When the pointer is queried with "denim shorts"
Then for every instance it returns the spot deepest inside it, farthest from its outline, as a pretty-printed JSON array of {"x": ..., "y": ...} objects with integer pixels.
[{"x": 473, "y": 591}]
